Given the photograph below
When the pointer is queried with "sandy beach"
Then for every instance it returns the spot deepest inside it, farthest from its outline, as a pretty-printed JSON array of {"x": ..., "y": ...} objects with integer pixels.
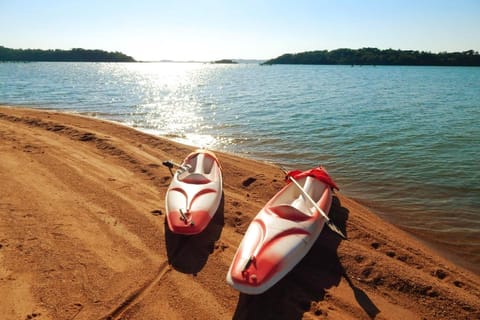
[{"x": 83, "y": 236}]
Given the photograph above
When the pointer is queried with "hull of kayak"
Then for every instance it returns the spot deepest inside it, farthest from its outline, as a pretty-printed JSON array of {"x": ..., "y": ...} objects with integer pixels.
[
  {"x": 194, "y": 194},
  {"x": 280, "y": 235}
]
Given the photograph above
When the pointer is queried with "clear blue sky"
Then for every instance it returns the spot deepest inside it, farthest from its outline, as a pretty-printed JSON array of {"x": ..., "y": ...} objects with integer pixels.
[{"x": 214, "y": 29}]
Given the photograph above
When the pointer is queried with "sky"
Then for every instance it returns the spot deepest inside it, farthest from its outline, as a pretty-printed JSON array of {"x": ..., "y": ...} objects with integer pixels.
[{"x": 206, "y": 30}]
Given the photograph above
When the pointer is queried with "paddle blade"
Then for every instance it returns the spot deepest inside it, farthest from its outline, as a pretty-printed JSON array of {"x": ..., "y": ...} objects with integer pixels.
[
  {"x": 168, "y": 164},
  {"x": 335, "y": 229}
]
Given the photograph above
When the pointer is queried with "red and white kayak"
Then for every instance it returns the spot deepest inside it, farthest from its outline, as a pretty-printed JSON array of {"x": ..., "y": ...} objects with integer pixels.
[
  {"x": 282, "y": 233},
  {"x": 194, "y": 194}
]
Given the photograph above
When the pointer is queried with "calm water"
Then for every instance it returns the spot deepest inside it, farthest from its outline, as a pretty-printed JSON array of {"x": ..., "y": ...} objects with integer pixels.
[{"x": 403, "y": 140}]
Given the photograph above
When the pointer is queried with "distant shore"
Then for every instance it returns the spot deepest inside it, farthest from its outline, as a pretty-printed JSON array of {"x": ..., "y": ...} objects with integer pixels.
[
  {"x": 83, "y": 236},
  {"x": 73, "y": 55},
  {"x": 344, "y": 56},
  {"x": 374, "y": 56}
]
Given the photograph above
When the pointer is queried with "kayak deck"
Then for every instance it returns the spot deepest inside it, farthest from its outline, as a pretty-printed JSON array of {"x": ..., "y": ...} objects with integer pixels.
[
  {"x": 194, "y": 194},
  {"x": 279, "y": 236}
]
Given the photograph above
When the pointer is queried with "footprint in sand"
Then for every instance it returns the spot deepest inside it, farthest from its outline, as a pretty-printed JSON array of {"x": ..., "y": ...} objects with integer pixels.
[
  {"x": 86, "y": 136},
  {"x": 440, "y": 274},
  {"x": 391, "y": 254},
  {"x": 164, "y": 179},
  {"x": 248, "y": 181},
  {"x": 375, "y": 245},
  {"x": 33, "y": 315},
  {"x": 359, "y": 258},
  {"x": 156, "y": 212}
]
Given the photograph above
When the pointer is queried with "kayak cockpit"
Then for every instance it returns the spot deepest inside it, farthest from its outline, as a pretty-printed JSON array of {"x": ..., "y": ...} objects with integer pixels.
[
  {"x": 289, "y": 212},
  {"x": 195, "y": 178},
  {"x": 293, "y": 205},
  {"x": 200, "y": 162},
  {"x": 199, "y": 169}
]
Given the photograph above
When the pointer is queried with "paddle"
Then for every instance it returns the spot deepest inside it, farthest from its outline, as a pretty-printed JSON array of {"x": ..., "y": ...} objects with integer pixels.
[
  {"x": 329, "y": 222},
  {"x": 170, "y": 164}
]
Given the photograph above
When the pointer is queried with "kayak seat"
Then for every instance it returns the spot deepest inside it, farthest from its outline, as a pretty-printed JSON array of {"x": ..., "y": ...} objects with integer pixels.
[
  {"x": 288, "y": 212},
  {"x": 207, "y": 163},
  {"x": 191, "y": 163},
  {"x": 201, "y": 163},
  {"x": 196, "y": 178}
]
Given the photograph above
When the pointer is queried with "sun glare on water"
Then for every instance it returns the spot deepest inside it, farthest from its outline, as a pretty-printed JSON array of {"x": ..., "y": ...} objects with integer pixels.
[{"x": 170, "y": 107}]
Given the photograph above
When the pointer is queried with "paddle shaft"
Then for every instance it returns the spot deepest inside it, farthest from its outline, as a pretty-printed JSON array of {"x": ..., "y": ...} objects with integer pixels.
[
  {"x": 170, "y": 164},
  {"x": 306, "y": 195},
  {"x": 324, "y": 215}
]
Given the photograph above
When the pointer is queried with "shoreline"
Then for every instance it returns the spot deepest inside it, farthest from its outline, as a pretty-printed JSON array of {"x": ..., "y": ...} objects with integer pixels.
[
  {"x": 107, "y": 181},
  {"x": 445, "y": 250},
  {"x": 427, "y": 238}
]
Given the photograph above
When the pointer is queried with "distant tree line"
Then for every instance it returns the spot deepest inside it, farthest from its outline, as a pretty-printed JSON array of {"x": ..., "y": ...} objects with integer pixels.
[
  {"x": 73, "y": 55},
  {"x": 374, "y": 56},
  {"x": 225, "y": 61}
]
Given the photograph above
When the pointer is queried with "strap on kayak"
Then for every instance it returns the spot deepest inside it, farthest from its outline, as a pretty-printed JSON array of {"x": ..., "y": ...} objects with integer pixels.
[{"x": 184, "y": 218}]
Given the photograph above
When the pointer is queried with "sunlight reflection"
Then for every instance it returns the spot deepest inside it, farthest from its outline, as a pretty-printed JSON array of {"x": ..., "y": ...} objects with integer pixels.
[{"x": 171, "y": 106}]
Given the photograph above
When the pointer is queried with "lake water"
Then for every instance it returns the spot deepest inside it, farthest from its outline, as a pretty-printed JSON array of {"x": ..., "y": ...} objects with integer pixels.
[{"x": 405, "y": 141}]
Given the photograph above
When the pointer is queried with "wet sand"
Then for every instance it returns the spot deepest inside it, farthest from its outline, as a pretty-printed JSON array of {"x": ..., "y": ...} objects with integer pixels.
[{"x": 83, "y": 236}]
